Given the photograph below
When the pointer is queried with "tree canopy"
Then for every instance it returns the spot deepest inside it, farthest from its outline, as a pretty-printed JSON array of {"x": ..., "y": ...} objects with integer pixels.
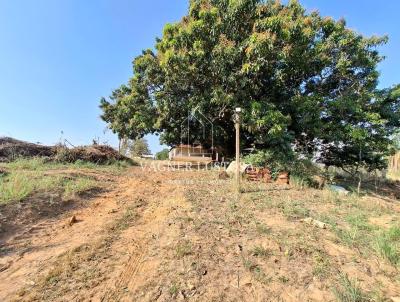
[
  {"x": 140, "y": 147},
  {"x": 163, "y": 154},
  {"x": 304, "y": 81}
]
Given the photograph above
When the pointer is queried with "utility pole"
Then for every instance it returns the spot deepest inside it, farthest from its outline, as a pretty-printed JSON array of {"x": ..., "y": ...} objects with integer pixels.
[{"x": 237, "y": 127}]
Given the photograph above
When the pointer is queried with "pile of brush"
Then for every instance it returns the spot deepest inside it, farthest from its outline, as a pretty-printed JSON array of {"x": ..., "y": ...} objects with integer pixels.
[
  {"x": 99, "y": 154},
  {"x": 11, "y": 149}
]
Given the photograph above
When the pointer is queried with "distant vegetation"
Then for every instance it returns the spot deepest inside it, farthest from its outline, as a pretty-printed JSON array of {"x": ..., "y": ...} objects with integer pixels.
[
  {"x": 133, "y": 148},
  {"x": 162, "y": 155}
]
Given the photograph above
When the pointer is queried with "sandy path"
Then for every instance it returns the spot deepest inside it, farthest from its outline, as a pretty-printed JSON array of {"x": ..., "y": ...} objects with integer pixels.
[
  {"x": 43, "y": 243},
  {"x": 145, "y": 241}
]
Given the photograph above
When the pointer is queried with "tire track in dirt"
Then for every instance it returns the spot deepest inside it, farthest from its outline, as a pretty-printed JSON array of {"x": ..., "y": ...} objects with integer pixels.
[
  {"x": 152, "y": 197},
  {"x": 127, "y": 275},
  {"x": 165, "y": 200},
  {"x": 28, "y": 254}
]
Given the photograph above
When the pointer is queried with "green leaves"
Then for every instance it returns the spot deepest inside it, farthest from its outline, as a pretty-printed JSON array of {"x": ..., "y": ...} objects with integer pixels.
[{"x": 301, "y": 79}]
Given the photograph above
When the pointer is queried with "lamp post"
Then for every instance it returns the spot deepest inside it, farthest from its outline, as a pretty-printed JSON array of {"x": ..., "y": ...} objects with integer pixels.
[{"x": 236, "y": 119}]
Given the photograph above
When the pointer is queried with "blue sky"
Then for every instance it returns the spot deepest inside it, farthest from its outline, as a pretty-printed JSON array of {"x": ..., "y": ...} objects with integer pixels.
[{"x": 57, "y": 58}]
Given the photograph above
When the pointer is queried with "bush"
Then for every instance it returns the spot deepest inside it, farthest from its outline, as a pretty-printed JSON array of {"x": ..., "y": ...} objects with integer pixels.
[
  {"x": 276, "y": 161},
  {"x": 301, "y": 168},
  {"x": 162, "y": 155}
]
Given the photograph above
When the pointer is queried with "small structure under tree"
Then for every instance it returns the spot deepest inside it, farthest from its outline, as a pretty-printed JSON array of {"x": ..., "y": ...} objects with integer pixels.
[{"x": 193, "y": 153}]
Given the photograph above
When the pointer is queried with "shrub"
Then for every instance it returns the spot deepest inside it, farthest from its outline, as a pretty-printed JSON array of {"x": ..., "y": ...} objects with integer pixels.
[
  {"x": 302, "y": 168},
  {"x": 162, "y": 155}
]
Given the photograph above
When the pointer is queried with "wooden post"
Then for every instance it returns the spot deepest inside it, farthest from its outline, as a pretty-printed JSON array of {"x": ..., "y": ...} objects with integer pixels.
[{"x": 237, "y": 127}]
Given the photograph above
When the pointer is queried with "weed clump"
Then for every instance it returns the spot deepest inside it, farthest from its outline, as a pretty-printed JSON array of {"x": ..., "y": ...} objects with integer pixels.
[
  {"x": 183, "y": 249},
  {"x": 387, "y": 245},
  {"x": 349, "y": 291}
]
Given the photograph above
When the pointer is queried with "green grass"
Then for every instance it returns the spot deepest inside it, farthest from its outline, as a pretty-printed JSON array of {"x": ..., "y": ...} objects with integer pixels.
[
  {"x": 359, "y": 221},
  {"x": 366, "y": 238},
  {"x": 348, "y": 218},
  {"x": 257, "y": 272},
  {"x": 126, "y": 220},
  {"x": 42, "y": 164},
  {"x": 262, "y": 229},
  {"x": 351, "y": 226},
  {"x": 295, "y": 210},
  {"x": 72, "y": 187},
  {"x": 260, "y": 251},
  {"x": 394, "y": 233},
  {"x": 353, "y": 237},
  {"x": 349, "y": 291},
  {"x": 19, "y": 185},
  {"x": 261, "y": 276},
  {"x": 15, "y": 187},
  {"x": 387, "y": 245},
  {"x": 33, "y": 164},
  {"x": 28, "y": 176},
  {"x": 174, "y": 289},
  {"x": 322, "y": 265},
  {"x": 283, "y": 279}
]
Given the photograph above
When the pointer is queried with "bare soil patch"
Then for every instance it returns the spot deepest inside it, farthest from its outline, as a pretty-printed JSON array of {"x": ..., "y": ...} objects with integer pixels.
[{"x": 183, "y": 236}]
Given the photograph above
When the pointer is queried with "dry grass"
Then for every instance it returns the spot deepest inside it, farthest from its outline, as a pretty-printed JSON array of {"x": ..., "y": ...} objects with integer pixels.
[
  {"x": 83, "y": 267},
  {"x": 183, "y": 249},
  {"x": 272, "y": 216},
  {"x": 210, "y": 246},
  {"x": 394, "y": 175}
]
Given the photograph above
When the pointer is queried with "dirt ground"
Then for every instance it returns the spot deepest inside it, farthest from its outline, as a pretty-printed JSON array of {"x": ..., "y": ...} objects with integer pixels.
[{"x": 183, "y": 236}]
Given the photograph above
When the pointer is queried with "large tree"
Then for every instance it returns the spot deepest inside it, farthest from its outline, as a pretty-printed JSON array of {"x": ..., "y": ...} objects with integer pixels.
[
  {"x": 140, "y": 147},
  {"x": 303, "y": 81}
]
